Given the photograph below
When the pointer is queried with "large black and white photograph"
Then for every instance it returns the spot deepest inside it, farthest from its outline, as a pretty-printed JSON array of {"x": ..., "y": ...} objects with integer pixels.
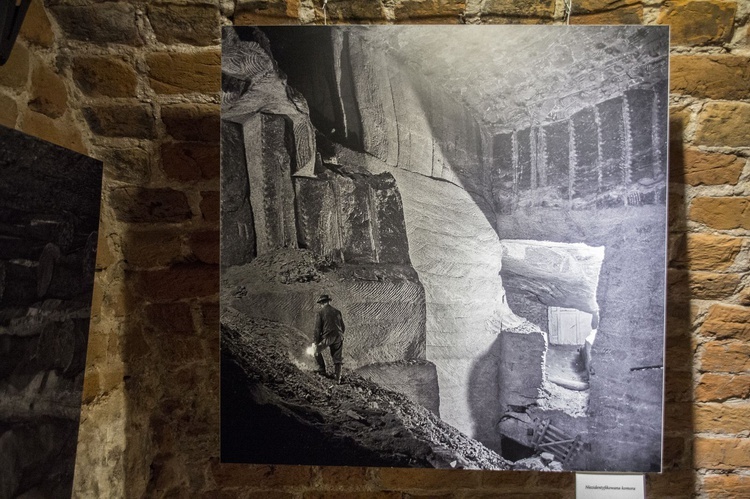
[
  {"x": 50, "y": 200},
  {"x": 444, "y": 246}
]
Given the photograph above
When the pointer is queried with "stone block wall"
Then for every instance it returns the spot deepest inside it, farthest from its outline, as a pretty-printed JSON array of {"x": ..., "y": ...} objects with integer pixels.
[{"x": 129, "y": 83}]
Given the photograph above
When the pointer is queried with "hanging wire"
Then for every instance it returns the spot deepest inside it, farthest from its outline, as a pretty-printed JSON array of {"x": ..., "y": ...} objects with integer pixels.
[
  {"x": 325, "y": 12},
  {"x": 568, "y": 10}
]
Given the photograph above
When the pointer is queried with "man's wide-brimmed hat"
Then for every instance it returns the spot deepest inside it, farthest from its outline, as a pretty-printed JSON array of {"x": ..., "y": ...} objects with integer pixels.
[{"x": 324, "y": 299}]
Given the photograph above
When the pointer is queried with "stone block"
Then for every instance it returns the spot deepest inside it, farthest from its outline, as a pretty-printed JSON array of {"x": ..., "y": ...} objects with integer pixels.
[
  {"x": 15, "y": 72},
  {"x": 352, "y": 10},
  {"x": 172, "y": 318},
  {"x": 699, "y": 251},
  {"x": 520, "y": 369},
  {"x": 205, "y": 245},
  {"x": 104, "y": 76},
  {"x": 701, "y": 285},
  {"x": 415, "y": 379},
  {"x": 626, "y": 14},
  {"x": 727, "y": 322},
  {"x": 592, "y": 6},
  {"x": 721, "y": 213},
  {"x": 715, "y": 387},
  {"x": 210, "y": 203},
  {"x": 191, "y": 24},
  {"x": 36, "y": 28},
  {"x": 151, "y": 248},
  {"x": 99, "y": 23},
  {"x": 121, "y": 120},
  {"x": 729, "y": 486},
  {"x": 8, "y": 111},
  {"x": 723, "y": 124},
  {"x": 725, "y": 357},
  {"x": 192, "y": 122},
  {"x": 698, "y": 23},
  {"x": 437, "y": 11},
  {"x": 696, "y": 167},
  {"x": 192, "y": 280},
  {"x": 190, "y": 161},
  {"x": 712, "y": 76},
  {"x": 128, "y": 164},
  {"x": 48, "y": 93},
  {"x": 262, "y": 12},
  {"x": 149, "y": 205},
  {"x": 63, "y": 132},
  {"x": 178, "y": 73},
  {"x": 523, "y": 8},
  {"x": 317, "y": 217},
  {"x": 728, "y": 417},
  {"x": 721, "y": 453}
]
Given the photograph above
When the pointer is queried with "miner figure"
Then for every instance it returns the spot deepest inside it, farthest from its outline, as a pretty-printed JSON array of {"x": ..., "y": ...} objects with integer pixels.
[{"x": 329, "y": 332}]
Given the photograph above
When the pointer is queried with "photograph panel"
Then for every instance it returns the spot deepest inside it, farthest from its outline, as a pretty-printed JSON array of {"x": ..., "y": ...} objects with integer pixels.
[{"x": 447, "y": 255}]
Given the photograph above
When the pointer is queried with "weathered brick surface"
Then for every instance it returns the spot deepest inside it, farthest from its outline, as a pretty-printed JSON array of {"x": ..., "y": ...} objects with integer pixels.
[
  {"x": 721, "y": 453},
  {"x": 727, "y": 321},
  {"x": 713, "y": 387},
  {"x": 721, "y": 76},
  {"x": 696, "y": 167},
  {"x": 190, "y": 161},
  {"x": 627, "y": 14},
  {"x": 127, "y": 164},
  {"x": 698, "y": 23},
  {"x": 36, "y": 26},
  {"x": 722, "y": 212},
  {"x": 726, "y": 486},
  {"x": 143, "y": 205},
  {"x": 49, "y": 95},
  {"x": 443, "y": 11},
  {"x": 724, "y": 124},
  {"x": 151, "y": 248},
  {"x": 121, "y": 120},
  {"x": 192, "y": 122},
  {"x": 249, "y": 12},
  {"x": 178, "y": 282},
  {"x": 530, "y": 8},
  {"x": 731, "y": 417},
  {"x": 8, "y": 111},
  {"x": 104, "y": 76},
  {"x": 61, "y": 132},
  {"x": 726, "y": 357},
  {"x": 709, "y": 252},
  {"x": 205, "y": 246},
  {"x": 106, "y": 22},
  {"x": 177, "y": 73},
  {"x": 15, "y": 72},
  {"x": 192, "y": 24}
]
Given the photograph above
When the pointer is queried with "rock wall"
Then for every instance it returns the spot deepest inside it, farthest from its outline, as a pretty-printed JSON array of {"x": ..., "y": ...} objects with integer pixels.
[{"x": 151, "y": 389}]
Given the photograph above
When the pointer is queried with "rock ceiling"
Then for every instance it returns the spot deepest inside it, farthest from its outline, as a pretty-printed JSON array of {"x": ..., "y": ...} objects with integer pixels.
[{"x": 513, "y": 76}]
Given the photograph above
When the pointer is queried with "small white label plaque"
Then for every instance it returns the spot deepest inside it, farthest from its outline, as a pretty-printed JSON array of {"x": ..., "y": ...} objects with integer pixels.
[{"x": 603, "y": 486}]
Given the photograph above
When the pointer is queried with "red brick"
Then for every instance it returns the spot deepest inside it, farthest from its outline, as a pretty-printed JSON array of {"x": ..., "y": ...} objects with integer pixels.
[
  {"x": 698, "y": 22},
  {"x": 177, "y": 72},
  {"x": 730, "y": 486},
  {"x": 144, "y": 205},
  {"x": 205, "y": 245},
  {"x": 170, "y": 317},
  {"x": 721, "y": 453},
  {"x": 713, "y": 387},
  {"x": 210, "y": 205},
  {"x": 727, "y": 417},
  {"x": 177, "y": 282},
  {"x": 190, "y": 161},
  {"x": 721, "y": 212},
  {"x": 726, "y": 357}
]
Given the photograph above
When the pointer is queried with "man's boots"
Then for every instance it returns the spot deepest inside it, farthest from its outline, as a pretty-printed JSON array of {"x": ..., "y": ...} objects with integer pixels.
[
  {"x": 321, "y": 364},
  {"x": 338, "y": 373}
]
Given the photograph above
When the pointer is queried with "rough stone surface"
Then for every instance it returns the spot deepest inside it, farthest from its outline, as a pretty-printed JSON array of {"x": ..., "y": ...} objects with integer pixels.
[
  {"x": 107, "y": 22},
  {"x": 721, "y": 453},
  {"x": 177, "y": 73},
  {"x": 121, "y": 120},
  {"x": 722, "y": 212},
  {"x": 36, "y": 26},
  {"x": 696, "y": 167},
  {"x": 49, "y": 95},
  {"x": 127, "y": 164},
  {"x": 192, "y": 122},
  {"x": 143, "y": 205},
  {"x": 442, "y": 11},
  {"x": 713, "y": 387},
  {"x": 726, "y": 357},
  {"x": 725, "y": 322},
  {"x": 722, "y": 124},
  {"x": 523, "y": 8},
  {"x": 104, "y": 76},
  {"x": 728, "y": 418},
  {"x": 712, "y": 76},
  {"x": 626, "y": 14},
  {"x": 146, "y": 248},
  {"x": 210, "y": 205},
  {"x": 193, "y": 24},
  {"x": 726, "y": 486},
  {"x": 707, "y": 252},
  {"x": 190, "y": 161},
  {"x": 8, "y": 111},
  {"x": 698, "y": 23},
  {"x": 61, "y": 132},
  {"x": 15, "y": 71}
]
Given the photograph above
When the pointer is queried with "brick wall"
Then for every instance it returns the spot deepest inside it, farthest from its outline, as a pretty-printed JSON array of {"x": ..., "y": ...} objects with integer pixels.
[{"x": 136, "y": 85}]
